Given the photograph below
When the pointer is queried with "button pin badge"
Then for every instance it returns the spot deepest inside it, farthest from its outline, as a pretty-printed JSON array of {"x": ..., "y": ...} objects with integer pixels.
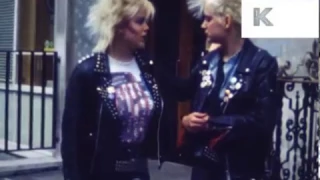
[{"x": 111, "y": 90}]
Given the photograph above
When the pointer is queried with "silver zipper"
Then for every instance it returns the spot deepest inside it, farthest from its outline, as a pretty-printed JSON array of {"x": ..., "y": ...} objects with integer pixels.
[
  {"x": 228, "y": 175},
  {"x": 97, "y": 140},
  {"x": 225, "y": 108},
  {"x": 158, "y": 134}
]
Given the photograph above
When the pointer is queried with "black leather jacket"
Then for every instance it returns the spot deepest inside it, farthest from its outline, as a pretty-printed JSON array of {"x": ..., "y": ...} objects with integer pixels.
[
  {"x": 90, "y": 128},
  {"x": 251, "y": 112}
]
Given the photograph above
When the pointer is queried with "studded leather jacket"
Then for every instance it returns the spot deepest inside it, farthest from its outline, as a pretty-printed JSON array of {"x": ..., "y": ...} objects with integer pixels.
[
  {"x": 249, "y": 109},
  {"x": 90, "y": 128}
]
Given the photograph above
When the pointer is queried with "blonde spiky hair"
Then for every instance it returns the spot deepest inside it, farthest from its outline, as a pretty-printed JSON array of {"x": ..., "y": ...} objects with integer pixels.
[
  {"x": 105, "y": 15},
  {"x": 225, "y": 7}
]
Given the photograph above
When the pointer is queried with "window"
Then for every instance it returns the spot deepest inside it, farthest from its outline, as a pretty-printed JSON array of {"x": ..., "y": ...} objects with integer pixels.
[
  {"x": 27, "y": 25},
  {"x": 7, "y": 20}
]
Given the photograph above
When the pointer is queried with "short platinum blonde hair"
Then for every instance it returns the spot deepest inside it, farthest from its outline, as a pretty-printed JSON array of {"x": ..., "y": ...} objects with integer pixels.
[
  {"x": 223, "y": 7},
  {"x": 105, "y": 15}
]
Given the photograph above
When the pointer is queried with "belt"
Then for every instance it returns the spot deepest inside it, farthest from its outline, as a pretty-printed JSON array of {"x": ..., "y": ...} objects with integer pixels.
[
  {"x": 130, "y": 159},
  {"x": 133, "y": 165},
  {"x": 128, "y": 153}
]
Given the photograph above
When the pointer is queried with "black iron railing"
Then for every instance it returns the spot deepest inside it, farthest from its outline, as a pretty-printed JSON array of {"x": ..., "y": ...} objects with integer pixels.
[
  {"x": 43, "y": 68},
  {"x": 295, "y": 155}
]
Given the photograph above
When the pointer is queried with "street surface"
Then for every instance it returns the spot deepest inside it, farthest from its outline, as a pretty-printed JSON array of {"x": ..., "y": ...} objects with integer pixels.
[{"x": 169, "y": 171}]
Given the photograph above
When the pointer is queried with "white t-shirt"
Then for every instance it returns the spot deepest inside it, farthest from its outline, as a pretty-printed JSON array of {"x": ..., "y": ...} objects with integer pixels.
[
  {"x": 131, "y": 66},
  {"x": 133, "y": 99}
]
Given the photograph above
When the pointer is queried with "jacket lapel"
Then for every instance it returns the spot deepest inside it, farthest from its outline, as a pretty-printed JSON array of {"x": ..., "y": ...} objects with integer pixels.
[
  {"x": 146, "y": 68},
  {"x": 206, "y": 82},
  {"x": 104, "y": 87},
  {"x": 236, "y": 82}
]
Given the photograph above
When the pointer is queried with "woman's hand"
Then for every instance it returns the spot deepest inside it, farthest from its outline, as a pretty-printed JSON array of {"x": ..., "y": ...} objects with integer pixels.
[{"x": 195, "y": 121}]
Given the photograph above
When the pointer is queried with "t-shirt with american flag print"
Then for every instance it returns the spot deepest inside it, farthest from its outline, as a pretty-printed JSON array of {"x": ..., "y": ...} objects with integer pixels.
[{"x": 133, "y": 100}]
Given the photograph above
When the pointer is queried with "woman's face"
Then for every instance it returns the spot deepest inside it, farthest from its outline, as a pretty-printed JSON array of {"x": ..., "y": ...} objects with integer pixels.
[
  {"x": 135, "y": 30},
  {"x": 214, "y": 26}
]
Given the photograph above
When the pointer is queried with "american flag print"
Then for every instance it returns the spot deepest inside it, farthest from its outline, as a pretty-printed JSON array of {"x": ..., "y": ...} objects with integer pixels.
[{"x": 134, "y": 104}]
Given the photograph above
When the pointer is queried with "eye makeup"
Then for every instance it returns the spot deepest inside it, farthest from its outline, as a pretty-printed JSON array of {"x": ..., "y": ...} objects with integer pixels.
[{"x": 140, "y": 20}]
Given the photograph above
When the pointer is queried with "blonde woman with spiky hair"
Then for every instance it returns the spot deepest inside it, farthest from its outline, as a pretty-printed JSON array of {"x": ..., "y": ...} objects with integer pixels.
[
  {"x": 229, "y": 129},
  {"x": 113, "y": 108}
]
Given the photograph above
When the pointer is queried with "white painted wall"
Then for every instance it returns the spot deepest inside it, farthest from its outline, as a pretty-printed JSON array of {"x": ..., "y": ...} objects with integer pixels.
[{"x": 25, "y": 117}]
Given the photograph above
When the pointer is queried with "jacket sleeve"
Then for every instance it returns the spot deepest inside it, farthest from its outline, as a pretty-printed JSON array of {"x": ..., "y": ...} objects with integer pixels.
[
  {"x": 71, "y": 116},
  {"x": 178, "y": 88},
  {"x": 261, "y": 119}
]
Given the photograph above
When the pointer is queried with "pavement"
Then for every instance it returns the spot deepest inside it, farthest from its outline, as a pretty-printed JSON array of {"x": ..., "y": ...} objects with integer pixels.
[
  {"x": 169, "y": 171},
  {"x": 5, "y": 157}
]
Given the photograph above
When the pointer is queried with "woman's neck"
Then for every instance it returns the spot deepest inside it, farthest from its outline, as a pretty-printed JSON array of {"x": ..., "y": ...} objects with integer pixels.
[
  {"x": 231, "y": 47},
  {"x": 120, "y": 52}
]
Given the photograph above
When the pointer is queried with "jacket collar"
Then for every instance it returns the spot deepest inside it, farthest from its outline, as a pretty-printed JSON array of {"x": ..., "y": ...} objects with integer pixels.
[
  {"x": 102, "y": 63},
  {"x": 244, "y": 64},
  {"x": 246, "y": 56}
]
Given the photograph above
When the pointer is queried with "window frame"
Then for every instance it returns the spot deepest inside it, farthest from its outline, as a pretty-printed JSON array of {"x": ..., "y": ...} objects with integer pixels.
[{"x": 13, "y": 85}]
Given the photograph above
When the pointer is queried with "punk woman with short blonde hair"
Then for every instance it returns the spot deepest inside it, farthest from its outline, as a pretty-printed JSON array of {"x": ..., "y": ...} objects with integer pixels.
[{"x": 230, "y": 127}]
